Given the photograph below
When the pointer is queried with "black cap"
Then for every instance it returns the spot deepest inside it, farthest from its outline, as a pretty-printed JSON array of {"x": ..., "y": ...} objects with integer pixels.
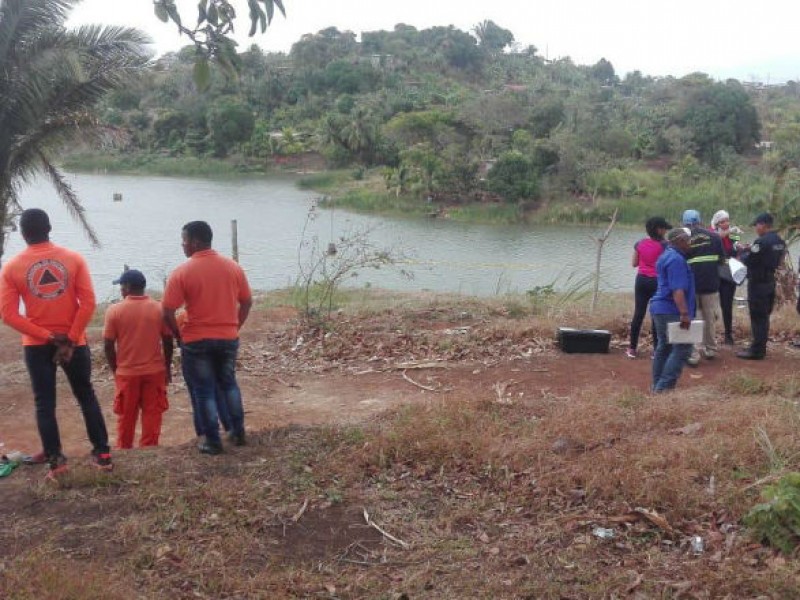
[
  {"x": 660, "y": 223},
  {"x": 764, "y": 218},
  {"x": 133, "y": 278}
]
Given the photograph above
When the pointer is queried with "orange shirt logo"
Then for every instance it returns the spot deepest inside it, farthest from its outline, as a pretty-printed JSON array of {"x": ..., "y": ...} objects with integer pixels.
[{"x": 47, "y": 279}]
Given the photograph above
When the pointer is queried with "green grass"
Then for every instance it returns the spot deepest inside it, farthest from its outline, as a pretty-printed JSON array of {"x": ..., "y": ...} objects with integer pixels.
[
  {"x": 325, "y": 182},
  {"x": 150, "y": 164},
  {"x": 638, "y": 193},
  {"x": 646, "y": 194},
  {"x": 500, "y": 213}
]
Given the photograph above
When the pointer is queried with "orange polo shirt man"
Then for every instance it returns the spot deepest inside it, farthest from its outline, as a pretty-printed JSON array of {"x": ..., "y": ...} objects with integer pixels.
[
  {"x": 138, "y": 347},
  {"x": 55, "y": 286},
  {"x": 217, "y": 297}
]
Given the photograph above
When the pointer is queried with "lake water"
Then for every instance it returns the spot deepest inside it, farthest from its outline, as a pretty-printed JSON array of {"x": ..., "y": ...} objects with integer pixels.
[{"x": 143, "y": 231}]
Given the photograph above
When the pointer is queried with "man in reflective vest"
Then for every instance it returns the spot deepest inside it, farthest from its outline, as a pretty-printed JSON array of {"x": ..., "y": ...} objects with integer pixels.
[{"x": 705, "y": 255}]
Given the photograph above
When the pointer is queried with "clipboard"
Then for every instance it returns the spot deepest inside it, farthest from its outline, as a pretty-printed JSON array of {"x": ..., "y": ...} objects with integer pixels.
[{"x": 693, "y": 335}]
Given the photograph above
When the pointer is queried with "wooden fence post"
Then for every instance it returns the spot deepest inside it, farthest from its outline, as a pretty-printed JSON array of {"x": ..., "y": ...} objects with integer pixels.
[{"x": 235, "y": 240}]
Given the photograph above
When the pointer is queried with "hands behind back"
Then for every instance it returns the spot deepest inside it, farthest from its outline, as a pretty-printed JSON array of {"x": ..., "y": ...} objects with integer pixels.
[{"x": 64, "y": 348}]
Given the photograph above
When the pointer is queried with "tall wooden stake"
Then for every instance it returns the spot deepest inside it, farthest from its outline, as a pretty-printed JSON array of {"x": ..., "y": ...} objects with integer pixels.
[{"x": 235, "y": 240}]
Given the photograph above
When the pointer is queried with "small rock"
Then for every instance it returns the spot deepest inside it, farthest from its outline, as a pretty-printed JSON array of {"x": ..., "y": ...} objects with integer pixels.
[
  {"x": 561, "y": 445},
  {"x": 691, "y": 429},
  {"x": 603, "y": 533}
]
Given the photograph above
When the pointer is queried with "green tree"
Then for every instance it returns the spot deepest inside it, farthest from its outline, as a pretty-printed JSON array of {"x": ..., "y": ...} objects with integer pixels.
[
  {"x": 316, "y": 51},
  {"x": 603, "y": 71},
  {"x": 546, "y": 116},
  {"x": 168, "y": 126},
  {"x": 492, "y": 37},
  {"x": 513, "y": 177},
  {"x": 230, "y": 122},
  {"x": 425, "y": 162},
  {"x": 719, "y": 115},
  {"x": 50, "y": 80}
]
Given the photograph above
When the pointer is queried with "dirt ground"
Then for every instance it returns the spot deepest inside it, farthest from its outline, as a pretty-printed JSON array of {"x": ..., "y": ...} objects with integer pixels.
[
  {"x": 276, "y": 394},
  {"x": 494, "y": 480}
]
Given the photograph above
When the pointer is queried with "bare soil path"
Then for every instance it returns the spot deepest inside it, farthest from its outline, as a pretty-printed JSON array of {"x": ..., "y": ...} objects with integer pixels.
[{"x": 275, "y": 398}]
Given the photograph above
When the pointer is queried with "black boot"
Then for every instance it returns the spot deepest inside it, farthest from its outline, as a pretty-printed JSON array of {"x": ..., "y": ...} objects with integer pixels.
[{"x": 210, "y": 448}]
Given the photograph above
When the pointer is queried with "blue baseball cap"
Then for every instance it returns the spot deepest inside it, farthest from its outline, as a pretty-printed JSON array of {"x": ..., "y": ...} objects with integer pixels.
[
  {"x": 133, "y": 278},
  {"x": 690, "y": 217}
]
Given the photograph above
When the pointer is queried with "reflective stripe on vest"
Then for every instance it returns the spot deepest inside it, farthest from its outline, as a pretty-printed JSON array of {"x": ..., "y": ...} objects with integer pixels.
[{"x": 704, "y": 259}]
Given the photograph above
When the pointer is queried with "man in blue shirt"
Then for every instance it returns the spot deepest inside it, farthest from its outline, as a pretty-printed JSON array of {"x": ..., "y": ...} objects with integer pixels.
[{"x": 673, "y": 302}]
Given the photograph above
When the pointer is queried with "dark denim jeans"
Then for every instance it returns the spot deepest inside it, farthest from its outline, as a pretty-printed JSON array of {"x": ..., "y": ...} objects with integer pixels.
[
  {"x": 42, "y": 371},
  {"x": 222, "y": 407},
  {"x": 669, "y": 358},
  {"x": 210, "y": 365}
]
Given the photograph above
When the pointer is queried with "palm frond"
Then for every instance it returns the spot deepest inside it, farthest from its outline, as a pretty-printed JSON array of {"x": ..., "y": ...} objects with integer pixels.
[
  {"x": 51, "y": 79},
  {"x": 51, "y": 135},
  {"x": 70, "y": 199},
  {"x": 23, "y": 20}
]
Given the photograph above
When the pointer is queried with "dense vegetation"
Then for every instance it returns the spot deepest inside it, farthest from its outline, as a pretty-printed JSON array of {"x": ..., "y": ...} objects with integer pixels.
[{"x": 445, "y": 116}]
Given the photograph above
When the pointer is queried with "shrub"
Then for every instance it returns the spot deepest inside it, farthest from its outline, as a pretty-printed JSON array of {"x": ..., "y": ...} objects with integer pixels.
[
  {"x": 777, "y": 521},
  {"x": 513, "y": 177}
]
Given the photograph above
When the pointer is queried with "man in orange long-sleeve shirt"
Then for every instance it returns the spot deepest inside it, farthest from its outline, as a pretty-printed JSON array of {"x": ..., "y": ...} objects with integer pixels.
[
  {"x": 134, "y": 336},
  {"x": 54, "y": 285}
]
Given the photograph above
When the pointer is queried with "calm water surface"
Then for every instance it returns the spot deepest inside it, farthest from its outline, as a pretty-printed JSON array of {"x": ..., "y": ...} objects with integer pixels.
[{"x": 143, "y": 231}]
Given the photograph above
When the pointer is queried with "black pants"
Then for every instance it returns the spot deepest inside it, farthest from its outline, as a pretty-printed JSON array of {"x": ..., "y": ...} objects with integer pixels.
[
  {"x": 727, "y": 291},
  {"x": 644, "y": 290},
  {"x": 761, "y": 299},
  {"x": 42, "y": 371}
]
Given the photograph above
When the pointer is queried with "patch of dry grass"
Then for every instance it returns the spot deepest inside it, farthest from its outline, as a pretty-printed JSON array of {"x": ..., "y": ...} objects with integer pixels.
[
  {"x": 493, "y": 499},
  {"x": 44, "y": 573}
]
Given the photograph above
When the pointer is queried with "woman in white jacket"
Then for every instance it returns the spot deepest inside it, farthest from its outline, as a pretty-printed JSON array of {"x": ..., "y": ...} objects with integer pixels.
[{"x": 721, "y": 224}]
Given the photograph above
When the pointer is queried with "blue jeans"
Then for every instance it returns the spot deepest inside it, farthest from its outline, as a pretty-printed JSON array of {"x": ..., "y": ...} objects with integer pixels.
[
  {"x": 222, "y": 407},
  {"x": 42, "y": 371},
  {"x": 669, "y": 358},
  {"x": 210, "y": 365}
]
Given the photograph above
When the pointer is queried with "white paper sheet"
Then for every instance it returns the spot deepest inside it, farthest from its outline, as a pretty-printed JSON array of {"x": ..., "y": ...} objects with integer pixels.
[{"x": 693, "y": 335}]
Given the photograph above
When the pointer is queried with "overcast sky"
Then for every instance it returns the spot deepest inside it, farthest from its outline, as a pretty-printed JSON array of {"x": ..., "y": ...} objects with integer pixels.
[{"x": 730, "y": 38}]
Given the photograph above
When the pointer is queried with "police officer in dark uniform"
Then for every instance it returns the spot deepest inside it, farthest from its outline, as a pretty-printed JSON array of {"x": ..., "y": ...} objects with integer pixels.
[{"x": 762, "y": 258}]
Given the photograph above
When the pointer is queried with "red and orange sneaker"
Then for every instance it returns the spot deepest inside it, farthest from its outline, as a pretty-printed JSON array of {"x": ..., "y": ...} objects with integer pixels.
[
  {"x": 58, "y": 467},
  {"x": 39, "y": 458},
  {"x": 102, "y": 461}
]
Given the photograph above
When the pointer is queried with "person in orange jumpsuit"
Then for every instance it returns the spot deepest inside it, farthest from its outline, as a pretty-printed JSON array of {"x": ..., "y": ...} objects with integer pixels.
[
  {"x": 139, "y": 348},
  {"x": 55, "y": 286}
]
